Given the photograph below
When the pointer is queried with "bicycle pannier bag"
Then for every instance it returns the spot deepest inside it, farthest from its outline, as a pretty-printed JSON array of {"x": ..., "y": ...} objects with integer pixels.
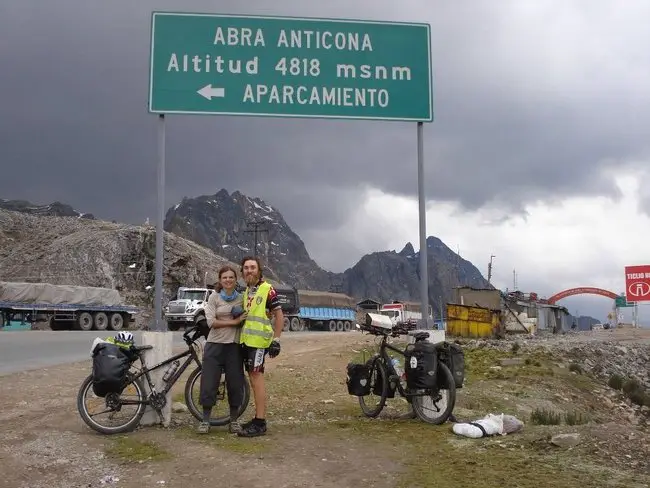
[
  {"x": 452, "y": 355},
  {"x": 110, "y": 366},
  {"x": 390, "y": 392},
  {"x": 358, "y": 379},
  {"x": 421, "y": 365}
]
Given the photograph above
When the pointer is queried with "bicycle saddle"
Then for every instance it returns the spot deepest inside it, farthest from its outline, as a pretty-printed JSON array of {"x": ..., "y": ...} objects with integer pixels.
[{"x": 419, "y": 336}]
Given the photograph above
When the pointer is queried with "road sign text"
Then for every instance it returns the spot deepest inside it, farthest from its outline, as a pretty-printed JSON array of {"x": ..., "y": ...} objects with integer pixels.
[
  {"x": 292, "y": 67},
  {"x": 637, "y": 283}
]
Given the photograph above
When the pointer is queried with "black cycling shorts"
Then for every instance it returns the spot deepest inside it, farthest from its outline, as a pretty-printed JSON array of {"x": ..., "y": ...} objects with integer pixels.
[{"x": 254, "y": 358}]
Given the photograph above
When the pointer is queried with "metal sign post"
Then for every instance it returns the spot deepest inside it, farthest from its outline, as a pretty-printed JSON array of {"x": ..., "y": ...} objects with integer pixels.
[
  {"x": 159, "y": 323},
  {"x": 265, "y": 66},
  {"x": 424, "y": 269}
]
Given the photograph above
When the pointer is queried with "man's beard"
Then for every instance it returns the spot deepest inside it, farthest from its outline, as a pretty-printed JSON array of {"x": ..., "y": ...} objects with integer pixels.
[{"x": 252, "y": 279}]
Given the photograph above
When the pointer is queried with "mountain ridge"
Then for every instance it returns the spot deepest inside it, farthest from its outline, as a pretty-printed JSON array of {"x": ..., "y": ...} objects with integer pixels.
[{"x": 227, "y": 222}]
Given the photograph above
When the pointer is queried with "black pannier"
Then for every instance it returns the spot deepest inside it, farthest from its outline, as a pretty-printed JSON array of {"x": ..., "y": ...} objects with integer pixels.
[
  {"x": 421, "y": 365},
  {"x": 376, "y": 389},
  {"x": 453, "y": 357},
  {"x": 110, "y": 366},
  {"x": 358, "y": 379}
]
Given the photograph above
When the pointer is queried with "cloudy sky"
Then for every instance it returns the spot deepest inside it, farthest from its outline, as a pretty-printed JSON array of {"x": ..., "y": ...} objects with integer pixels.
[{"x": 539, "y": 152}]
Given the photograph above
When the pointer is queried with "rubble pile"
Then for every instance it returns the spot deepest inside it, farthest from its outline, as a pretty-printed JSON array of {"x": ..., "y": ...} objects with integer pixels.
[{"x": 599, "y": 356}]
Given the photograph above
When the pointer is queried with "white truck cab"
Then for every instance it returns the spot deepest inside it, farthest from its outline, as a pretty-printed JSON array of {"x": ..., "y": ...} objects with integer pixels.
[{"x": 188, "y": 307}]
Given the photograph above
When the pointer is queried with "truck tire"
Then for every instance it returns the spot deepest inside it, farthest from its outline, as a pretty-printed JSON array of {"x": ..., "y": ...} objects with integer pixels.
[
  {"x": 347, "y": 326},
  {"x": 286, "y": 324},
  {"x": 295, "y": 324},
  {"x": 84, "y": 321},
  {"x": 116, "y": 321},
  {"x": 101, "y": 320},
  {"x": 332, "y": 326},
  {"x": 339, "y": 326}
]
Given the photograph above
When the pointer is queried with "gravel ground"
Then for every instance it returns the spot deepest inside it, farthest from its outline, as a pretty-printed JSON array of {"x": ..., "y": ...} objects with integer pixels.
[{"x": 44, "y": 443}]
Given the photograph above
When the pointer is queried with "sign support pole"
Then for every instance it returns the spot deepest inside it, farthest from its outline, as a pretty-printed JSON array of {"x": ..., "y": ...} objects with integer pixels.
[
  {"x": 160, "y": 222},
  {"x": 424, "y": 271}
]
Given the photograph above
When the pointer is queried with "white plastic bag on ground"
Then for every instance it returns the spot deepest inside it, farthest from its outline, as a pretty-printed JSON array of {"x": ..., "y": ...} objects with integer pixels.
[
  {"x": 511, "y": 424},
  {"x": 487, "y": 426}
]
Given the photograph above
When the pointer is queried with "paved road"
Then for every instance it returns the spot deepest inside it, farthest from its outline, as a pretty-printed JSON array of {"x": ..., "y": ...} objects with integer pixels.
[{"x": 24, "y": 350}]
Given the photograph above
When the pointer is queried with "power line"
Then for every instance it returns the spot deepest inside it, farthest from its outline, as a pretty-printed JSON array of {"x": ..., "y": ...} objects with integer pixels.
[
  {"x": 336, "y": 286},
  {"x": 256, "y": 227}
]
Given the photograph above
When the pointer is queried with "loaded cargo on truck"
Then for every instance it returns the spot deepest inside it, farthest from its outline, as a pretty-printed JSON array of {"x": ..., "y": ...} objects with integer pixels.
[
  {"x": 403, "y": 312},
  {"x": 316, "y": 310},
  {"x": 66, "y": 307}
]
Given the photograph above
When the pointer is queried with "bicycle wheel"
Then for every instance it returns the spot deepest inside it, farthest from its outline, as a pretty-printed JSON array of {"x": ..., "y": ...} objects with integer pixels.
[
  {"x": 112, "y": 406},
  {"x": 427, "y": 408},
  {"x": 192, "y": 392},
  {"x": 378, "y": 383}
]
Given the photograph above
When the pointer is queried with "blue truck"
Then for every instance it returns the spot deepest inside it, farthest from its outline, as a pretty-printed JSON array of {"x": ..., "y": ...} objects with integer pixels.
[
  {"x": 316, "y": 310},
  {"x": 65, "y": 307}
]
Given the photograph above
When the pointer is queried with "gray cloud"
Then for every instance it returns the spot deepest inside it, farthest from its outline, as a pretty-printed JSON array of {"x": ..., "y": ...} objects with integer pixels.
[{"x": 526, "y": 108}]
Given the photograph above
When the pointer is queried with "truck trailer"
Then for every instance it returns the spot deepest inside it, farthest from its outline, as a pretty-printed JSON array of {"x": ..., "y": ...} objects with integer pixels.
[
  {"x": 66, "y": 307},
  {"x": 403, "y": 312},
  {"x": 316, "y": 310}
]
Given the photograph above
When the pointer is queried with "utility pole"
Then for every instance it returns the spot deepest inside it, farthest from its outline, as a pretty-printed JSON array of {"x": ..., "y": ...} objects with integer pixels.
[
  {"x": 256, "y": 227},
  {"x": 336, "y": 287},
  {"x": 490, "y": 268}
]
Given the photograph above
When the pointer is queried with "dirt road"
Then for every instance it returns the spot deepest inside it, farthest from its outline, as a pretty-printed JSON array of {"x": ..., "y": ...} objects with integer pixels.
[{"x": 317, "y": 437}]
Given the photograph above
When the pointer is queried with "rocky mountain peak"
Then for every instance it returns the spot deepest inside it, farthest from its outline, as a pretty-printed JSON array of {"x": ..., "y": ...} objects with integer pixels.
[
  {"x": 407, "y": 251},
  {"x": 228, "y": 222},
  {"x": 232, "y": 223},
  {"x": 54, "y": 209}
]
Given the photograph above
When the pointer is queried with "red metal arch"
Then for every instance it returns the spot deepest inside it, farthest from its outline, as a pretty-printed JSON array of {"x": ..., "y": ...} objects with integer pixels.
[{"x": 583, "y": 290}]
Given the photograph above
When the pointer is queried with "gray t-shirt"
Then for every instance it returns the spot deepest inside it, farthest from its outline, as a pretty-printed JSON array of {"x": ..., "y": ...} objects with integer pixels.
[{"x": 220, "y": 309}]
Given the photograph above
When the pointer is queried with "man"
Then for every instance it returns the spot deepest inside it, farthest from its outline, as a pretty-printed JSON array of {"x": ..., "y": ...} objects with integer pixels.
[{"x": 258, "y": 337}]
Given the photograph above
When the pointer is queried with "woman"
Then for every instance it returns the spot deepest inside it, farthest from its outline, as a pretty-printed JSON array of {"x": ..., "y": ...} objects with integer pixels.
[{"x": 222, "y": 351}]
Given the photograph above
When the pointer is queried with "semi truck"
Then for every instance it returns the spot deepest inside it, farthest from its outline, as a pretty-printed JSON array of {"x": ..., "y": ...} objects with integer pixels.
[
  {"x": 66, "y": 307},
  {"x": 303, "y": 309},
  {"x": 316, "y": 310},
  {"x": 403, "y": 312},
  {"x": 188, "y": 307}
]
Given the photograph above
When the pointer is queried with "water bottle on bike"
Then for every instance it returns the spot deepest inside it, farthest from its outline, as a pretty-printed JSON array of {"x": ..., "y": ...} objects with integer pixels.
[{"x": 398, "y": 369}]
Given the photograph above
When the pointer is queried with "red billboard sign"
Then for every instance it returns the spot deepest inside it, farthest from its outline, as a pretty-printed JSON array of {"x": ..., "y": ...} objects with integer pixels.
[{"x": 637, "y": 283}]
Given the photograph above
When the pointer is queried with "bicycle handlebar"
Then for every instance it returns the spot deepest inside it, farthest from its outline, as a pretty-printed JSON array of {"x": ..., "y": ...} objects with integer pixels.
[
  {"x": 396, "y": 331},
  {"x": 196, "y": 331}
]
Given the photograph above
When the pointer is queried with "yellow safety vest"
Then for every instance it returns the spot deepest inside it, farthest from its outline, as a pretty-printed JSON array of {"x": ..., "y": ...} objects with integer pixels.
[{"x": 257, "y": 330}]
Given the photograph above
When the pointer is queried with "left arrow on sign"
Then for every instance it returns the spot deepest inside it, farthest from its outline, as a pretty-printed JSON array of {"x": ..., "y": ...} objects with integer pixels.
[{"x": 208, "y": 91}]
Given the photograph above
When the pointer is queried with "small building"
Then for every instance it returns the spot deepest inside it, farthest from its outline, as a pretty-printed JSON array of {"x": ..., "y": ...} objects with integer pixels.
[
  {"x": 489, "y": 298},
  {"x": 369, "y": 305},
  {"x": 518, "y": 312}
]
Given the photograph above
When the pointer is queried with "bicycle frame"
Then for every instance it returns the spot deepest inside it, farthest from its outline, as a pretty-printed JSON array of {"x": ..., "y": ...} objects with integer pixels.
[
  {"x": 191, "y": 357},
  {"x": 390, "y": 369}
]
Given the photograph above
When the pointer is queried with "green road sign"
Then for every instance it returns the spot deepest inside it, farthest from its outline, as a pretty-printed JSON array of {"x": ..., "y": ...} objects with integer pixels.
[
  {"x": 621, "y": 302},
  {"x": 289, "y": 67}
]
